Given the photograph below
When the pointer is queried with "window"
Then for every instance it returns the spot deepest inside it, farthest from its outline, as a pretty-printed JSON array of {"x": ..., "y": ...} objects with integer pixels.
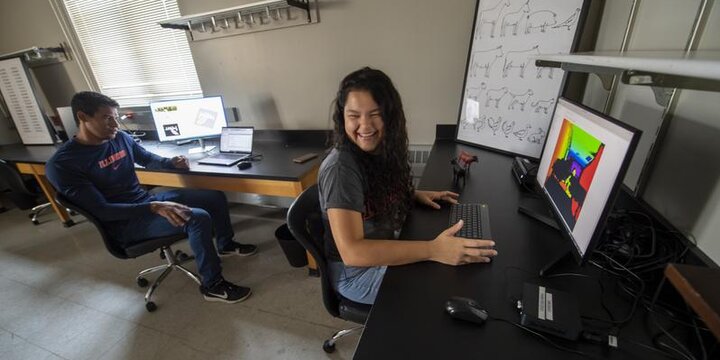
[{"x": 127, "y": 55}]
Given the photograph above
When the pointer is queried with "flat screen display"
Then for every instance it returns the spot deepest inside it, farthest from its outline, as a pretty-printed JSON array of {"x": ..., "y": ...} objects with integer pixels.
[
  {"x": 582, "y": 166},
  {"x": 189, "y": 118}
]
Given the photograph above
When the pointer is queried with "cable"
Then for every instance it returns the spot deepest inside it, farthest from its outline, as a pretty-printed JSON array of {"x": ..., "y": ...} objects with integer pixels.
[
  {"x": 685, "y": 352},
  {"x": 637, "y": 298},
  {"x": 545, "y": 338}
]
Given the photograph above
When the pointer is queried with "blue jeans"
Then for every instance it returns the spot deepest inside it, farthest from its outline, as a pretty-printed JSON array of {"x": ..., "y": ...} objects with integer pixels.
[
  {"x": 359, "y": 284},
  {"x": 209, "y": 213}
]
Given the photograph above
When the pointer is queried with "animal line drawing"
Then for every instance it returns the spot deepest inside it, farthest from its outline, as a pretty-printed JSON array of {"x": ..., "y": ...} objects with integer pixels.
[
  {"x": 570, "y": 21},
  {"x": 484, "y": 60},
  {"x": 490, "y": 16},
  {"x": 540, "y": 19},
  {"x": 507, "y": 127},
  {"x": 543, "y": 105},
  {"x": 518, "y": 60},
  {"x": 512, "y": 19},
  {"x": 520, "y": 99},
  {"x": 520, "y": 134},
  {"x": 537, "y": 136},
  {"x": 495, "y": 95},
  {"x": 494, "y": 124}
]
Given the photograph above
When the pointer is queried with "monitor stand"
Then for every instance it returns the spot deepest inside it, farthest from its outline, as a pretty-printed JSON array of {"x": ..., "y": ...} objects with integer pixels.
[
  {"x": 538, "y": 211},
  {"x": 197, "y": 150}
]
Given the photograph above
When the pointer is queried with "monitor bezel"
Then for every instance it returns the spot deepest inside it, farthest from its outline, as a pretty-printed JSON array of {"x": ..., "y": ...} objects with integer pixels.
[
  {"x": 252, "y": 144},
  {"x": 188, "y": 138},
  {"x": 614, "y": 191}
]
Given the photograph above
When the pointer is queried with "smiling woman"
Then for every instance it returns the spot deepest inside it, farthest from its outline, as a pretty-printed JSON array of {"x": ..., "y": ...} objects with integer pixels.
[{"x": 365, "y": 192}]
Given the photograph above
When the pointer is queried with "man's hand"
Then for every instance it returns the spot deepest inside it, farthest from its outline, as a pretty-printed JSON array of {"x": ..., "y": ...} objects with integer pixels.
[
  {"x": 451, "y": 250},
  {"x": 429, "y": 197},
  {"x": 176, "y": 214},
  {"x": 180, "y": 162}
]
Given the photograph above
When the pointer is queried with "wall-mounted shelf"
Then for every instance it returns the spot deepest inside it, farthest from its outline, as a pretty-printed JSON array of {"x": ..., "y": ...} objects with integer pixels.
[
  {"x": 253, "y": 17},
  {"x": 37, "y": 56},
  {"x": 699, "y": 70}
]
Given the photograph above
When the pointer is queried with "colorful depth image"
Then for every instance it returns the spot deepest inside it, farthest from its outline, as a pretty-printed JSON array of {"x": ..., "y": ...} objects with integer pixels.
[{"x": 575, "y": 160}]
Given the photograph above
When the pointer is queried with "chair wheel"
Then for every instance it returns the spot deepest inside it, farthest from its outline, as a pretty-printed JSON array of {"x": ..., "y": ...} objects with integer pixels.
[
  {"x": 142, "y": 282},
  {"x": 181, "y": 256},
  {"x": 30, "y": 216},
  {"x": 36, "y": 222},
  {"x": 150, "y": 306},
  {"x": 328, "y": 347}
]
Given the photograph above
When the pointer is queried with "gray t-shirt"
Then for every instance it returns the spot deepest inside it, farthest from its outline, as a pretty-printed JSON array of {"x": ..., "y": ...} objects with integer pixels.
[{"x": 342, "y": 184}]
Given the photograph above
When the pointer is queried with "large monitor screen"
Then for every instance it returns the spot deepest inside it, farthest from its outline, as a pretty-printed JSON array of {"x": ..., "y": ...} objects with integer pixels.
[
  {"x": 188, "y": 118},
  {"x": 581, "y": 168}
]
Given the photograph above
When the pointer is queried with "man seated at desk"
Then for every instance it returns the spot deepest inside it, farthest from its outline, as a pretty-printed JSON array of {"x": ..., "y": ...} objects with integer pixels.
[{"x": 96, "y": 170}]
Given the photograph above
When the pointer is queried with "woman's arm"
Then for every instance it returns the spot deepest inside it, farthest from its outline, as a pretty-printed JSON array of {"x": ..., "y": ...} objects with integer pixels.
[{"x": 355, "y": 250}]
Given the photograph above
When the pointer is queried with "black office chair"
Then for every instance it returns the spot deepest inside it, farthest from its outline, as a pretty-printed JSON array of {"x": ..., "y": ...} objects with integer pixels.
[
  {"x": 305, "y": 223},
  {"x": 149, "y": 245},
  {"x": 15, "y": 188}
]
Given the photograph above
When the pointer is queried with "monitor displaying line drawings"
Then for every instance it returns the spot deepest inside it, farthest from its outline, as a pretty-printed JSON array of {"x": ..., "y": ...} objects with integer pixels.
[
  {"x": 507, "y": 101},
  {"x": 188, "y": 119},
  {"x": 581, "y": 169}
]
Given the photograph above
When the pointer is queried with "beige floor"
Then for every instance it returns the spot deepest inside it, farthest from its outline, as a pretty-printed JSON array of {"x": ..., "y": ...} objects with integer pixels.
[{"x": 63, "y": 296}]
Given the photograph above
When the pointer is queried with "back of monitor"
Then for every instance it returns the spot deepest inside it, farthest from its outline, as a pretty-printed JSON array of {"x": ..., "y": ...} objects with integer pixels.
[{"x": 68, "y": 121}]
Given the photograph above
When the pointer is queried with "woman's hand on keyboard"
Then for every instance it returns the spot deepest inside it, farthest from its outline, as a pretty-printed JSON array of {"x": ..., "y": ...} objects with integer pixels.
[
  {"x": 451, "y": 250},
  {"x": 429, "y": 198}
]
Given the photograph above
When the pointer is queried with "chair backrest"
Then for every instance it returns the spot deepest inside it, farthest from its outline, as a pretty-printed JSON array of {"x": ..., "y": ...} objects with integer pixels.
[
  {"x": 110, "y": 244},
  {"x": 304, "y": 219},
  {"x": 18, "y": 193}
]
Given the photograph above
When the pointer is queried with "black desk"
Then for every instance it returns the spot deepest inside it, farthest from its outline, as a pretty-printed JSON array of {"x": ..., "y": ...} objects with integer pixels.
[
  {"x": 408, "y": 319},
  {"x": 274, "y": 175}
]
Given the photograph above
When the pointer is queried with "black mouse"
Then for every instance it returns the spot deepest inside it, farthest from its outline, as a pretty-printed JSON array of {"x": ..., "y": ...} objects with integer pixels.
[
  {"x": 465, "y": 309},
  {"x": 244, "y": 165}
]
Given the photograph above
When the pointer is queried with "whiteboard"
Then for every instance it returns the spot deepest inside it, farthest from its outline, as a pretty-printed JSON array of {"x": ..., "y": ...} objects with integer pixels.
[
  {"x": 22, "y": 104},
  {"x": 507, "y": 101}
]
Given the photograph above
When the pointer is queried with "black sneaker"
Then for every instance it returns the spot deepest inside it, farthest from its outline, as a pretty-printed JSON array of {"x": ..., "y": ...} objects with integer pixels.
[
  {"x": 237, "y": 249},
  {"x": 225, "y": 291}
]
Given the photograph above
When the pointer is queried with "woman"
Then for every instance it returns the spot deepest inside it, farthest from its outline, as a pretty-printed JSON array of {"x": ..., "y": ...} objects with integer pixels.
[{"x": 366, "y": 191}]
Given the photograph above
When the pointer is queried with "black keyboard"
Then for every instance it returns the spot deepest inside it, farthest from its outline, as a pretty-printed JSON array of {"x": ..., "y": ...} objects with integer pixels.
[{"x": 476, "y": 219}]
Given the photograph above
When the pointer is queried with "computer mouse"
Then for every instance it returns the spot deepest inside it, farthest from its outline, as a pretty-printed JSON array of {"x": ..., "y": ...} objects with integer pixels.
[
  {"x": 466, "y": 309},
  {"x": 244, "y": 165}
]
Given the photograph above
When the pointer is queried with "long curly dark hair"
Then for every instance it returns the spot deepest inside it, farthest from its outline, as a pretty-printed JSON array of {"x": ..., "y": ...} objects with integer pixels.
[{"x": 389, "y": 191}]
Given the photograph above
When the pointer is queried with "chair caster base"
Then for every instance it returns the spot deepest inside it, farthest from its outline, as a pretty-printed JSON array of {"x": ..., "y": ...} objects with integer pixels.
[
  {"x": 328, "y": 347},
  {"x": 150, "y": 306},
  {"x": 142, "y": 282},
  {"x": 69, "y": 223}
]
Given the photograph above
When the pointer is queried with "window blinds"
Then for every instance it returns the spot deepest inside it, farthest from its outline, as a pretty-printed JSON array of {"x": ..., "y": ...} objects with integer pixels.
[{"x": 134, "y": 60}]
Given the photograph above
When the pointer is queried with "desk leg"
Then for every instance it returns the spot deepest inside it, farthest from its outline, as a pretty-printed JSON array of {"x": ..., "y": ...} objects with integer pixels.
[{"x": 50, "y": 195}]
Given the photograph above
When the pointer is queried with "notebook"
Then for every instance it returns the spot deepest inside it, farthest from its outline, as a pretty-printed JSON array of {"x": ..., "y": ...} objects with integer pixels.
[{"x": 235, "y": 145}]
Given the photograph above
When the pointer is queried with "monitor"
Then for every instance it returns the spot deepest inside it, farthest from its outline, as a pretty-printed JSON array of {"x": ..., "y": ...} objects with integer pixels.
[
  {"x": 582, "y": 166},
  {"x": 189, "y": 119}
]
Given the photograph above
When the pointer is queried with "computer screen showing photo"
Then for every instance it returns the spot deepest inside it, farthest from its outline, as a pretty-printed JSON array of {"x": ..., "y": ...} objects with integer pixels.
[
  {"x": 581, "y": 168},
  {"x": 189, "y": 118}
]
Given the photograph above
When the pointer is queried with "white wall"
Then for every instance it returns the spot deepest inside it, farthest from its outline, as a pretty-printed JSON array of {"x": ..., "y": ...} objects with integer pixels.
[
  {"x": 287, "y": 78},
  {"x": 684, "y": 185}
]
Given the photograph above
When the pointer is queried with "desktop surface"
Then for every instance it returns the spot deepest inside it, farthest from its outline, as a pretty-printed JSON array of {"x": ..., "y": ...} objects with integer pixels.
[
  {"x": 408, "y": 319},
  {"x": 276, "y": 163}
]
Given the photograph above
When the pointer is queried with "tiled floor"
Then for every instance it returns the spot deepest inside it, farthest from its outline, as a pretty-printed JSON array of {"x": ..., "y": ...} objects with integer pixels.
[{"x": 63, "y": 296}]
